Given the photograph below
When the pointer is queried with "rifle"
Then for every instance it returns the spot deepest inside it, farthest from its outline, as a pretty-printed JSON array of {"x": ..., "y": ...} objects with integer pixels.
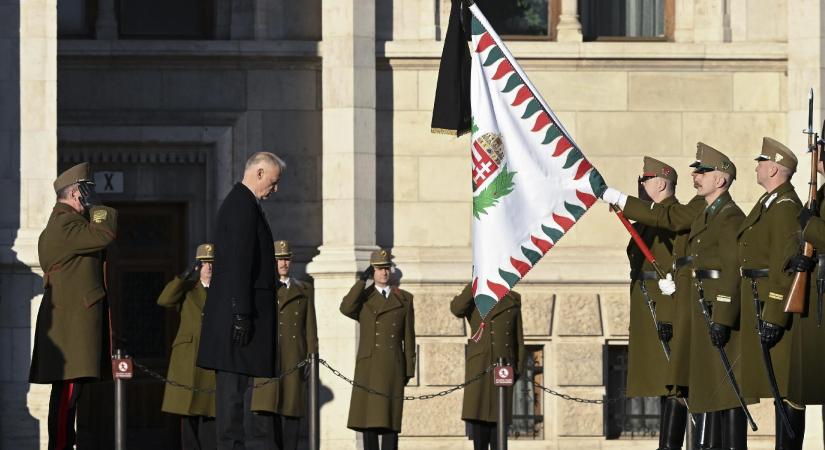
[{"x": 799, "y": 286}]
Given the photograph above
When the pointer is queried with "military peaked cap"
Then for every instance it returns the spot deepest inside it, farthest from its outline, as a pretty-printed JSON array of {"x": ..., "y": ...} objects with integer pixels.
[
  {"x": 655, "y": 168},
  {"x": 773, "y": 150},
  {"x": 708, "y": 158},
  {"x": 72, "y": 175},
  {"x": 283, "y": 250},
  {"x": 381, "y": 258}
]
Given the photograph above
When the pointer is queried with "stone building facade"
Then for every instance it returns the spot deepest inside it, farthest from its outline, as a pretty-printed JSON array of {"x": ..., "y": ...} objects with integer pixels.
[{"x": 343, "y": 90}]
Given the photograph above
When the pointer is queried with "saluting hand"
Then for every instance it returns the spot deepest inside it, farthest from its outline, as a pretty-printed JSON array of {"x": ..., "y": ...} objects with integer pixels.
[
  {"x": 667, "y": 285},
  {"x": 191, "y": 273},
  {"x": 368, "y": 273}
]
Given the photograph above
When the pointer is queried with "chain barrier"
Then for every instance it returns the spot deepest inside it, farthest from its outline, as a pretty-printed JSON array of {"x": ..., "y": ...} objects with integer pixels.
[
  {"x": 174, "y": 383},
  {"x": 370, "y": 390}
]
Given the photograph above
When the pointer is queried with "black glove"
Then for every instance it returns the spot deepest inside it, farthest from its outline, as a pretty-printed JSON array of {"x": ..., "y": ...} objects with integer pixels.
[
  {"x": 800, "y": 263},
  {"x": 805, "y": 215},
  {"x": 241, "y": 329},
  {"x": 665, "y": 330},
  {"x": 771, "y": 334},
  {"x": 719, "y": 334},
  {"x": 368, "y": 273},
  {"x": 87, "y": 195},
  {"x": 191, "y": 274}
]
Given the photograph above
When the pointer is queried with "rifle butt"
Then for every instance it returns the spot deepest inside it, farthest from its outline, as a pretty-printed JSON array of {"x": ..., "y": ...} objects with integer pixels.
[{"x": 797, "y": 293}]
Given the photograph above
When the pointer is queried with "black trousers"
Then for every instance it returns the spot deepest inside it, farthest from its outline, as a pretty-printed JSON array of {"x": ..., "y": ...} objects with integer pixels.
[
  {"x": 484, "y": 434},
  {"x": 237, "y": 427},
  {"x": 287, "y": 432},
  {"x": 389, "y": 440},
  {"x": 62, "y": 412},
  {"x": 197, "y": 433}
]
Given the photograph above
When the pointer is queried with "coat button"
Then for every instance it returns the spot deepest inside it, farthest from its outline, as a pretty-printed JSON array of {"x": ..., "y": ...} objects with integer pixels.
[
  {"x": 377, "y": 322},
  {"x": 392, "y": 335},
  {"x": 377, "y": 333},
  {"x": 296, "y": 313},
  {"x": 492, "y": 332}
]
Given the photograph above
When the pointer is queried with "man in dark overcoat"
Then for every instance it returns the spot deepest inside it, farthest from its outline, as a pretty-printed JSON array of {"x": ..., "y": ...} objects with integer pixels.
[
  {"x": 238, "y": 338},
  {"x": 71, "y": 340},
  {"x": 187, "y": 294},
  {"x": 386, "y": 353}
]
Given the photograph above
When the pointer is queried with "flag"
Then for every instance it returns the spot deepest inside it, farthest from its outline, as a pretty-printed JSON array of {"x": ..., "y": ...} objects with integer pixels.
[{"x": 530, "y": 181}]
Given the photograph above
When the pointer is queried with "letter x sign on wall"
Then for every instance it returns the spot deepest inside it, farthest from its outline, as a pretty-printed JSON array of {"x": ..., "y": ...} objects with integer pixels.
[{"x": 109, "y": 182}]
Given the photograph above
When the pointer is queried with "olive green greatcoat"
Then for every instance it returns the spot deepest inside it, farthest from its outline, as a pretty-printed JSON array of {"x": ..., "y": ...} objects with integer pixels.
[
  {"x": 188, "y": 297},
  {"x": 502, "y": 338},
  {"x": 676, "y": 218},
  {"x": 807, "y": 363},
  {"x": 71, "y": 339},
  {"x": 647, "y": 366},
  {"x": 767, "y": 238},
  {"x": 297, "y": 338},
  {"x": 386, "y": 355},
  {"x": 712, "y": 244}
]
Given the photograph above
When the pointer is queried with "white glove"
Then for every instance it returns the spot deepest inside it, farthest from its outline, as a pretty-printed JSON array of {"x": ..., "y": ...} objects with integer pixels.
[
  {"x": 614, "y": 197},
  {"x": 667, "y": 285}
]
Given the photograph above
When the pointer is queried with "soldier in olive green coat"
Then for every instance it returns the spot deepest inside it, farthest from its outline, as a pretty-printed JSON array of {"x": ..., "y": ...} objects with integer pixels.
[
  {"x": 502, "y": 337},
  {"x": 297, "y": 338},
  {"x": 713, "y": 254},
  {"x": 386, "y": 353},
  {"x": 767, "y": 239},
  {"x": 807, "y": 364},
  {"x": 71, "y": 339},
  {"x": 649, "y": 372},
  {"x": 187, "y": 293}
]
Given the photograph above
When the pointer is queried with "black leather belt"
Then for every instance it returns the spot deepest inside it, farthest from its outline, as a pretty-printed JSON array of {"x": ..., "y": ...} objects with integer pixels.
[
  {"x": 706, "y": 274},
  {"x": 682, "y": 262},
  {"x": 754, "y": 273},
  {"x": 648, "y": 275}
]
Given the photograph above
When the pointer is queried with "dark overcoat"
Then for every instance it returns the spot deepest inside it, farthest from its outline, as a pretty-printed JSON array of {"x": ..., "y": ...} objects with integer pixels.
[
  {"x": 297, "y": 338},
  {"x": 243, "y": 282},
  {"x": 676, "y": 218},
  {"x": 767, "y": 238},
  {"x": 71, "y": 338},
  {"x": 502, "y": 337},
  {"x": 807, "y": 364},
  {"x": 386, "y": 355},
  {"x": 188, "y": 297}
]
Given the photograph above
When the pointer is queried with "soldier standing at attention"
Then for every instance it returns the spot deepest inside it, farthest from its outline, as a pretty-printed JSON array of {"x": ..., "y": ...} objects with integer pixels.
[
  {"x": 712, "y": 251},
  {"x": 187, "y": 293},
  {"x": 767, "y": 239},
  {"x": 297, "y": 338},
  {"x": 502, "y": 338},
  {"x": 386, "y": 353},
  {"x": 807, "y": 365},
  {"x": 71, "y": 340},
  {"x": 649, "y": 372}
]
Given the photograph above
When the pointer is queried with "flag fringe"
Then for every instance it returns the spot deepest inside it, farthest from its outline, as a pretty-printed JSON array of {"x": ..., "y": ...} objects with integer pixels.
[
  {"x": 477, "y": 335},
  {"x": 448, "y": 132}
]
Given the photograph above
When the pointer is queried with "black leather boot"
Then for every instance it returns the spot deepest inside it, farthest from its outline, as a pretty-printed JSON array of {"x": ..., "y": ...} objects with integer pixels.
[
  {"x": 713, "y": 430},
  {"x": 797, "y": 419},
  {"x": 700, "y": 433},
  {"x": 734, "y": 429},
  {"x": 672, "y": 425}
]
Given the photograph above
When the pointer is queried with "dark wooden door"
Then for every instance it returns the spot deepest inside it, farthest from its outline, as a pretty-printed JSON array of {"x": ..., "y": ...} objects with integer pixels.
[{"x": 149, "y": 250}]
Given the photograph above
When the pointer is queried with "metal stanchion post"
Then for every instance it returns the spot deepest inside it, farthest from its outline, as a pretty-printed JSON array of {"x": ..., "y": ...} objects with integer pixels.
[
  {"x": 120, "y": 404},
  {"x": 501, "y": 425},
  {"x": 314, "y": 428}
]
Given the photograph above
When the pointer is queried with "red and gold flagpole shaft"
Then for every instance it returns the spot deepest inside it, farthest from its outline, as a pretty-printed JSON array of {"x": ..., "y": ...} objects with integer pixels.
[{"x": 638, "y": 240}]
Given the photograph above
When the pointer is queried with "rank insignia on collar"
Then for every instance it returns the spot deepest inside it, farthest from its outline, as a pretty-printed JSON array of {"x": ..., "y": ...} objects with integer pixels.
[{"x": 99, "y": 215}]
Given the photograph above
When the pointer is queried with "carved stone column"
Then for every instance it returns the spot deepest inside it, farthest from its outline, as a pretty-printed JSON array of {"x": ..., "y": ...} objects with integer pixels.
[{"x": 569, "y": 28}]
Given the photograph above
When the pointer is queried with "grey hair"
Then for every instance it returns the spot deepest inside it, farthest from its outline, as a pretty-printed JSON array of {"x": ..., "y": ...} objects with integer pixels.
[
  {"x": 66, "y": 192},
  {"x": 268, "y": 157}
]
